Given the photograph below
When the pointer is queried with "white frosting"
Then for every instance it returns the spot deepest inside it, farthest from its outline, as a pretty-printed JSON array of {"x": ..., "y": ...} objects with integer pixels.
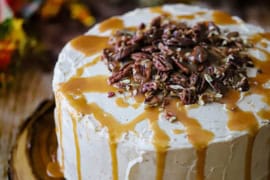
[{"x": 136, "y": 154}]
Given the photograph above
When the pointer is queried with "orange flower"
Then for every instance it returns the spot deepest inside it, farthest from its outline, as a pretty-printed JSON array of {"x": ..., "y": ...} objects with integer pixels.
[{"x": 51, "y": 8}]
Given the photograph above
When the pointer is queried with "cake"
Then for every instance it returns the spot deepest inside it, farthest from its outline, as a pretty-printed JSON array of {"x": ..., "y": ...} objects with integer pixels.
[{"x": 218, "y": 128}]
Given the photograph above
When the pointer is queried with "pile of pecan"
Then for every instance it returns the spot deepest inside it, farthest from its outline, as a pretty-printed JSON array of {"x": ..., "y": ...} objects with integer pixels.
[{"x": 171, "y": 59}]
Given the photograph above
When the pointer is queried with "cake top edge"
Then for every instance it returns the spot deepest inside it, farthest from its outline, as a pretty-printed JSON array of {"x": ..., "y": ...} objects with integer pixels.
[{"x": 79, "y": 66}]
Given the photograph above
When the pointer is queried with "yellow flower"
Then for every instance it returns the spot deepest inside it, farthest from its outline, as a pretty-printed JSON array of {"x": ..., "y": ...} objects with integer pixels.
[
  {"x": 17, "y": 35},
  {"x": 81, "y": 13}
]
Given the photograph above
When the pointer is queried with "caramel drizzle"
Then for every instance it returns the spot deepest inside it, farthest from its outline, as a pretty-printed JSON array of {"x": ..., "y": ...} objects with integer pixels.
[
  {"x": 191, "y": 16},
  {"x": 160, "y": 139},
  {"x": 223, "y": 18},
  {"x": 80, "y": 70},
  {"x": 59, "y": 119},
  {"x": 159, "y": 10},
  {"x": 240, "y": 120},
  {"x": 257, "y": 38},
  {"x": 264, "y": 114},
  {"x": 196, "y": 135},
  {"x": 111, "y": 24},
  {"x": 74, "y": 88},
  {"x": 260, "y": 80},
  {"x": 89, "y": 44},
  {"x": 188, "y": 16},
  {"x": 79, "y": 85},
  {"x": 77, "y": 147},
  {"x": 121, "y": 103},
  {"x": 263, "y": 78},
  {"x": 258, "y": 88}
]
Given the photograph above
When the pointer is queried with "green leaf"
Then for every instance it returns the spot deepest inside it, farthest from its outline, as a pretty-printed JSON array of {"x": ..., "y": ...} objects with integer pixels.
[{"x": 5, "y": 28}]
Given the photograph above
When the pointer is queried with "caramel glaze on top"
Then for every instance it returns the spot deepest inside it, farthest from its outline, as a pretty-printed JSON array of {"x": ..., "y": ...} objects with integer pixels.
[{"x": 239, "y": 120}]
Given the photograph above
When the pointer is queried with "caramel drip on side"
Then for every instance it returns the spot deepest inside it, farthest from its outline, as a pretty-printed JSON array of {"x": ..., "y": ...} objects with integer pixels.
[
  {"x": 266, "y": 35},
  {"x": 77, "y": 147},
  {"x": 111, "y": 24},
  {"x": 54, "y": 170},
  {"x": 113, "y": 149},
  {"x": 196, "y": 135},
  {"x": 240, "y": 120},
  {"x": 265, "y": 114},
  {"x": 121, "y": 103},
  {"x": 80, "y": 70},
  {"x": 161, "y": 157},
  {"x": 223, "y": 18},
  {"x": 59, "y": 119},
  {"x": 115, "y": 128},
  {"x": 256, "y": 38},
  {"x": 161, "y": 142},
  {"x": 257, "y": 88},
  {"x": 159, "y": 10},
  {"x": 258, "y": 82},
  {"x": 160, "y": 139},
  {"x": 74, "y": 88},
  {"x": 89, "y": 44},
  {"x": 261, "y": 79},
  {"x": 251, "y": 139},
  {"x": 201, "y": 154}
]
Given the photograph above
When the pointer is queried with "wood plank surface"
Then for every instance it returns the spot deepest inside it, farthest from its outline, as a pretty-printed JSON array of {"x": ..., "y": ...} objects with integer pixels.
[{"x": 16, "y": 105}]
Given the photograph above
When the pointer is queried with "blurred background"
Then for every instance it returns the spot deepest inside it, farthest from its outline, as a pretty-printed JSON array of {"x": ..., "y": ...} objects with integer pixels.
[{"x": 32, "y": 33}]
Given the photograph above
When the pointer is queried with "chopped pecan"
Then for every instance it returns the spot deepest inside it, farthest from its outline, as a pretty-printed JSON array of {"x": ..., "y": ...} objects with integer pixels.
[
  {"x": 142, "y": 71},
  {"x": 171, "y": 59},
  {"x": 197, "y": 82},
  {"x": 161, "y": 62},
  {"x": 153, "y": 99},
  {"x": 181, "y": 65},
  {"x": 138, "y": 56},
  {"x": 243, "y": 84},
  {"x": 124, "y": 71},
  {"x": 156, "y": 22},
  {"x": 182, "y": 42},
  {"x": 233, "y": 34},
  {"x": 149, "y": 49},
  {"x": 111, "y": 94},
  {"x": 200, "y": 54},
  {"x": 125, "y": 51},
  {"x": 188, "y": 96},
  {"x": 179, "y": 79},
  {"x": 149, "y": 86}
]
